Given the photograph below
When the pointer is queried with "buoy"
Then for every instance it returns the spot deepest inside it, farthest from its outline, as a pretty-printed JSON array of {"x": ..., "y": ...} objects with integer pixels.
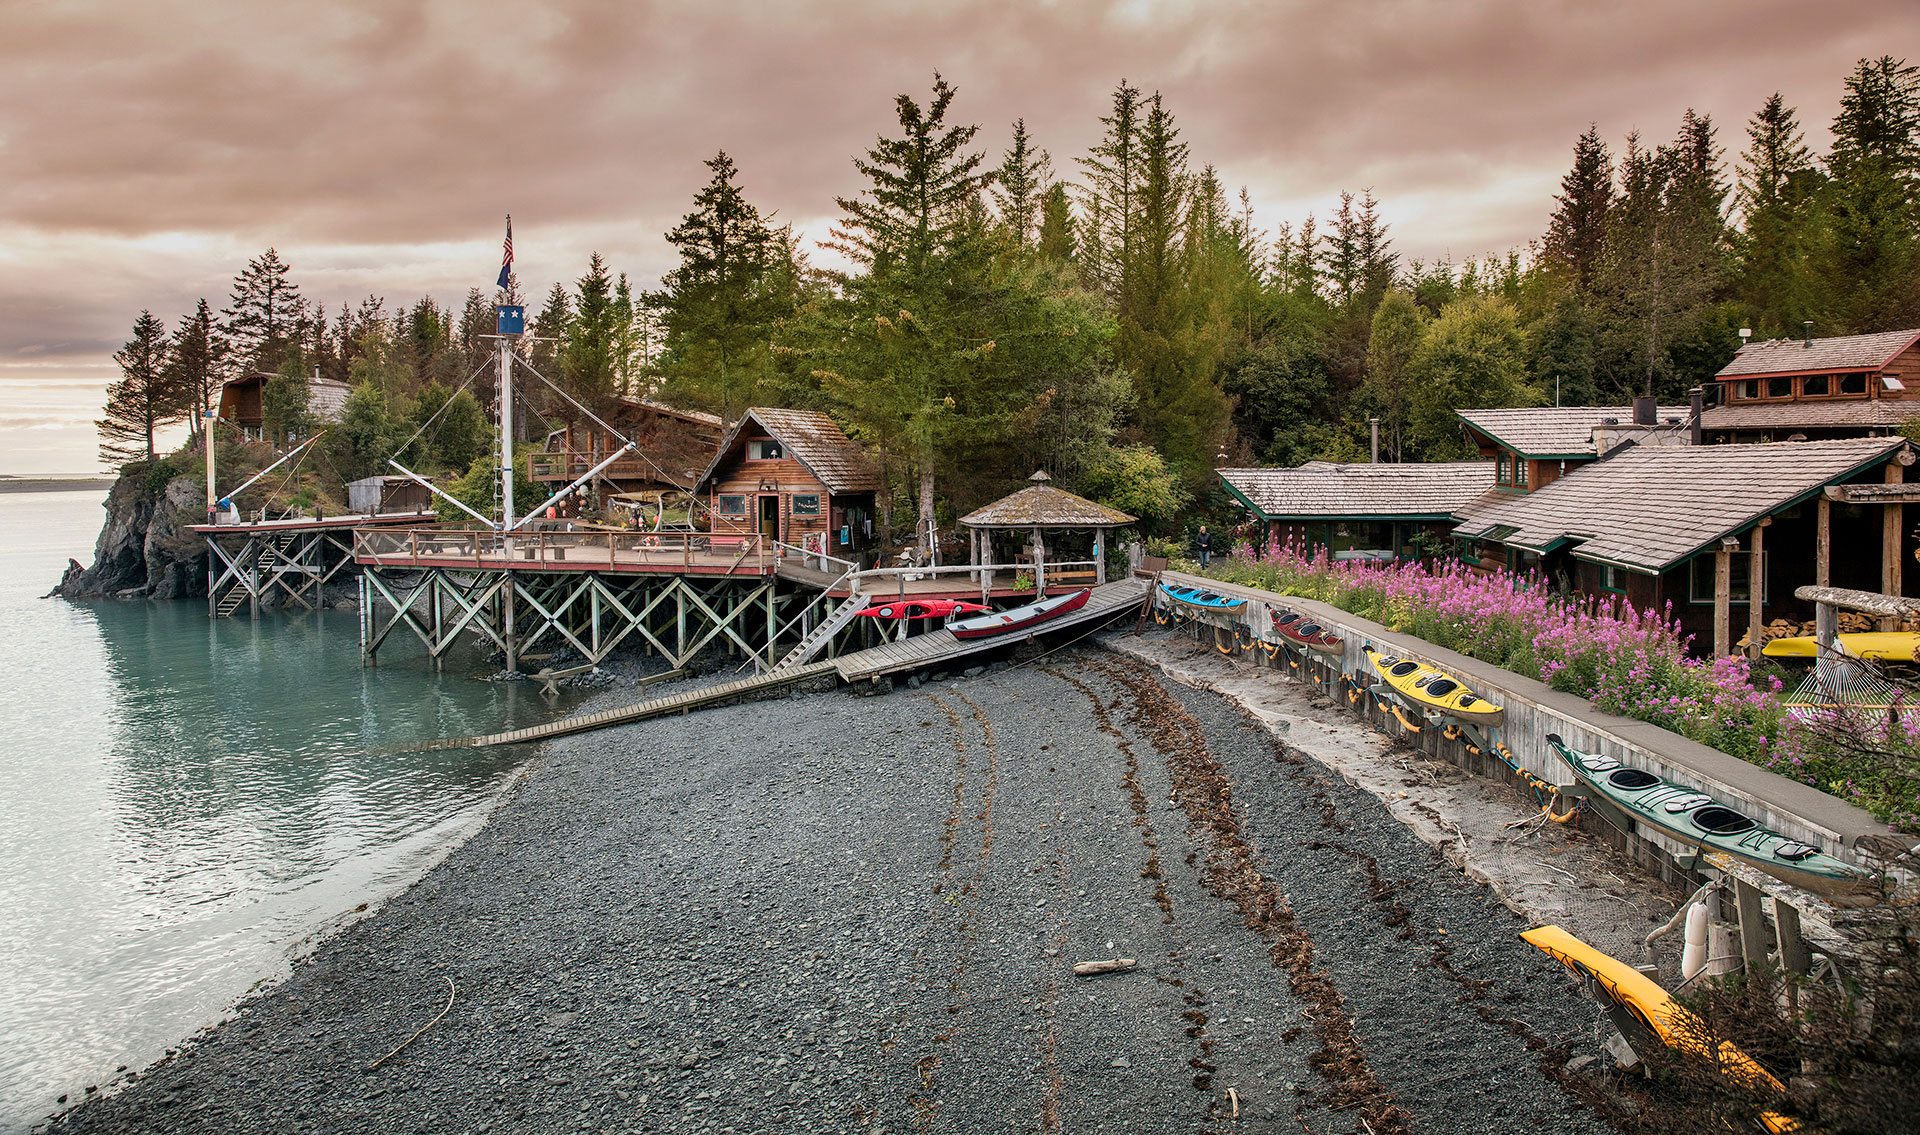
[{"x": 1693, "y": 956}]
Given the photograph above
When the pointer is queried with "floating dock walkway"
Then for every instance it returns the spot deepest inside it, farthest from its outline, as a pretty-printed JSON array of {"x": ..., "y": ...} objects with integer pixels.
[{"x": 1107, "y": 602}]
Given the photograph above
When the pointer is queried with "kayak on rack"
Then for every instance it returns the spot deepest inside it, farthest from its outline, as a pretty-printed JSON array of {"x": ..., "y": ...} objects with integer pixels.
[
  {"x": 922, "y": 609},
  {"x": 1433, "y": 690},
  {"x": 1876, "y": 646},
  {"x": 1298, "y": 630},
  {"x": 1696, "y": 819},
  {"x": 1198, "y": 600},
  {"x": 1019, "y": 618}
]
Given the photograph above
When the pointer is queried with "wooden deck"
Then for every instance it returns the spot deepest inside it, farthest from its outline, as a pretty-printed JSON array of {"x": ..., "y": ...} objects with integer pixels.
[
  {"x": 309, "y": 524},
  {"x": 625, "y": 552}
]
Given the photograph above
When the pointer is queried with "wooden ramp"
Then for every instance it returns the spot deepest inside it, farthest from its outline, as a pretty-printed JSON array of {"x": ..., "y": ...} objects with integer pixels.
[{"x": 1106, "y": 603}]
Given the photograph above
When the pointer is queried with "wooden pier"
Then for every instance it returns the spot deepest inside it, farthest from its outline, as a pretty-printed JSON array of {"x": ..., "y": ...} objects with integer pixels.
[{"x": 286, "y": 561}]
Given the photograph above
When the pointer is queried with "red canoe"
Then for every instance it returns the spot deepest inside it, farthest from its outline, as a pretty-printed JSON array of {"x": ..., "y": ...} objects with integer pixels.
[
  {"x": 980, "y": 626},
  {"x": 922, "y": 609},
  {"x": 1300, "y": 631}
]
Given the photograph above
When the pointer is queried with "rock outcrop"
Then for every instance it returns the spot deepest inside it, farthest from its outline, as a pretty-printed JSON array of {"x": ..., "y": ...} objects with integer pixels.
[{"x": 147, "y": 548}]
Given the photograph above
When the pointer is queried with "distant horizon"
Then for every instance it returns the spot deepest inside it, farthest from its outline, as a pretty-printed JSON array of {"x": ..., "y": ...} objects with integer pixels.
[{"x": 150, "y": 183}]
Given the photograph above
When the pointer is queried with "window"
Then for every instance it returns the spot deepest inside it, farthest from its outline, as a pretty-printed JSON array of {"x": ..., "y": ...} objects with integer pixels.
[
  {"x": 1701, "y": 583},
  {"x": 1780, "y": 388},
  {"x": 1746, "y": 390},
  {"x": 1816, "y": 386},
  {"x": 764, "y": 449},
  {"x": 1853, "y": 384},
  {"x": 1519, "y": 471},
  {"x": 806, "y": 504},
  {"x": 1467, "y": 551},
  {"x": 1613, "y": 578},
  {"x": 733, "y": 504},
  {"x": 1501, "y": 475}
]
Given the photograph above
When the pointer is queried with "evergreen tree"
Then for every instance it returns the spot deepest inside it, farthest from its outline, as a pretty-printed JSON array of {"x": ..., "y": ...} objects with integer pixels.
[
  {"x": 195, "y": 361},
  {"x": 1576, "y": 236},
  {"x": 716, "y": 308},
  {"x": 587, "y": 361},
  {"x": 1778, "y": 199},
  {"x": 1870, "y": 262},
  {"x": 550, "y": 332},
  {"x": 1056, "y": 240},
  {"x": 1360, "y": 263},
  {"x": 145, "y": 398},
  {"x": 1398, "y": 327},
  {"x": 263, "y": 319},
  {"x": 1113, "y": 175},
  {"x": 1020, "y": 186}
]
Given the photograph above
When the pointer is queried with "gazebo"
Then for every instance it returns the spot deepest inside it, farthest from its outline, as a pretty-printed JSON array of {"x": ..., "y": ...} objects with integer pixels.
[{"x": 1040, "y": 509}]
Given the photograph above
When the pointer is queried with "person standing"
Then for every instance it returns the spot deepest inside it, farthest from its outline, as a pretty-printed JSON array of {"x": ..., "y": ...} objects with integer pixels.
[{"x": 1204, "y": 543}]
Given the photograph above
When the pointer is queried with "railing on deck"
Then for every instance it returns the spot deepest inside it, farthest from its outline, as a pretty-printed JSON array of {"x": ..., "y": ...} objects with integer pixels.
[
  {"x": 586, "y": 550},
  {"x": 1050, "y": 575}
]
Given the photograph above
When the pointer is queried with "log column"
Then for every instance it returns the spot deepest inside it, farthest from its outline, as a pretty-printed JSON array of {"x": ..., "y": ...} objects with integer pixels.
[
  {"x": 1723, "y": 597},
  {"x": 1823, "y": 545},
  {"x": 1890, "y": 517},
  {"x": 1756, "y": 580}
]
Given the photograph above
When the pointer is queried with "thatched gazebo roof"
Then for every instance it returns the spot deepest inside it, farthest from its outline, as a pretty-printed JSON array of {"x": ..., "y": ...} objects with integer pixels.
[{"x": 1042, "y": 506}]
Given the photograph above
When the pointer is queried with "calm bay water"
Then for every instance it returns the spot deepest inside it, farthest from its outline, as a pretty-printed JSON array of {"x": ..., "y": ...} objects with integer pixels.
[{"x": 184, "y": 802}]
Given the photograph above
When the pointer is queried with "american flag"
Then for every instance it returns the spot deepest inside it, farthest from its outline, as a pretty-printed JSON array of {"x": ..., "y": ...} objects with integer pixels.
[{"x": 506, "y": 256}]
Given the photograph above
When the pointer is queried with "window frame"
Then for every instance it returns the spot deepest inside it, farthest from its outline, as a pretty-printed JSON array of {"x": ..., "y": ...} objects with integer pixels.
[
  {"x": 1700, "y": 579},
  {"x": 1840, "y": 387},
  {"x": 757, "y": 447},
  {"x": 794, "y": 506},
  {"x": 720, "y": 504}
]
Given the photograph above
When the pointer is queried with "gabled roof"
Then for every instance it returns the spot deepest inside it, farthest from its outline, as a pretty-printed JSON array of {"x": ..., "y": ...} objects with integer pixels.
[
  {"x": 1794, "y": 356},
  {"x": 1558, "y": 431},
  {"x": 1649, "y": 508},
  {"x": 1043, "y": 506},
  {"x": 1857, "y": 413},
  {"x": 815, "y": 441},
  {"x": 1324, "y": 489},
  {"x": 699, "y": 416}
]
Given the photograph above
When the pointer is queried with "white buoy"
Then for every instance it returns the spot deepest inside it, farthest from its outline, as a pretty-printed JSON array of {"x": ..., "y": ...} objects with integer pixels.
[{"x": 1693, "y": 956}]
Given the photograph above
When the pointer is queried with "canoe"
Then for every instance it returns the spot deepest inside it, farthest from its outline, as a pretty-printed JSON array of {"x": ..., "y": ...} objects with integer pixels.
[
  {"x": 1435, "y": 690},
  {"x": 1019, "y": 618},
  {"x": 1698, "y": 820},
  {"x": 1301, "y": 631},
  {"x": 1655, "y": 1010},
  {"x": 922, "y": 609},
  {"x": 1879, "y": 646},
  {"x": 1200, "y": 600}
]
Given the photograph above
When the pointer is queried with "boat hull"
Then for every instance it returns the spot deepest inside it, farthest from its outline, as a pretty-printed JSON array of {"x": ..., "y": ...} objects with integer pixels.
[
  {"x": 1298, "y": 630},
  {"x": 1195, "y": 599},
  {"x": 1698, "y": 820},
  {"x": 1877, "y": 646},
  {"x": 1435, "y": 690},
  {"x": 1019, "y": 618},
  {"x": 922, "y": 609}
]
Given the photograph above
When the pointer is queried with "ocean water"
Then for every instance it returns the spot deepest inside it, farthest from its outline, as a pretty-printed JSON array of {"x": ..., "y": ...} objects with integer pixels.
[{"x": 186, "y": 803}]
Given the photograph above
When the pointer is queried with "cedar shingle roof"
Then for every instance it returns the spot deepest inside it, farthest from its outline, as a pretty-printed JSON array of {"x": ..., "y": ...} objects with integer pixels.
[
  {"x": 815, "y": 441},
  {"x": 1651, "y": 507},
  {"x": 1793, "y": 356},
  {"x": 1859, "y": 413},
  {"x": 1043, "y": 506},
  {"x": 1558, "y": 431},
  {"x": 1325, "y": 489}
]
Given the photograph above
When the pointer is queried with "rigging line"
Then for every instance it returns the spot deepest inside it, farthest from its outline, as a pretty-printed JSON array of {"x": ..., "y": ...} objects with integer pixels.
[
  {"x": 402, "y": 447},
  {"x": 664, "y": 476}
]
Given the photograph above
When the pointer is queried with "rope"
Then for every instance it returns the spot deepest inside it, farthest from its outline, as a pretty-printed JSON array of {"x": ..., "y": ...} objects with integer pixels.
[
  {"x": 421, "y": 1029},
  {"x": 402, "y": 447}
]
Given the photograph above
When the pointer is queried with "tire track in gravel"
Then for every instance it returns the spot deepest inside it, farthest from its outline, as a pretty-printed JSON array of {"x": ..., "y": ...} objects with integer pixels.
[
  {"x": 1191, "y": 994},
  {"x": 1237, "y": 872}
]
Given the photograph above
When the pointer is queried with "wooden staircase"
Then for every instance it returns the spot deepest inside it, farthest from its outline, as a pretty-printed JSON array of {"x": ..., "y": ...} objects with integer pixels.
[
  {"x": 817, "y": 638},
  {"x": 270, "y": 550}
]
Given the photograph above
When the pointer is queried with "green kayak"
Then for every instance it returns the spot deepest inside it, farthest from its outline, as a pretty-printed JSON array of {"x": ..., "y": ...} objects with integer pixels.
[{"x": 1695, "y": 818}]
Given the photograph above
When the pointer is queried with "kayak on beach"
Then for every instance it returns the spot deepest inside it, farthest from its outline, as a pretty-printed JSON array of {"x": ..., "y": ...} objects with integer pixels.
[
  {"x": 981, "y": 626},
  {"x": 1696, "y": 819}
]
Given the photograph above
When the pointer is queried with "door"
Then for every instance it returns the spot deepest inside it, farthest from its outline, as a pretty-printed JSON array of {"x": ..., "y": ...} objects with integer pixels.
[{"x": 770, "y": 516}]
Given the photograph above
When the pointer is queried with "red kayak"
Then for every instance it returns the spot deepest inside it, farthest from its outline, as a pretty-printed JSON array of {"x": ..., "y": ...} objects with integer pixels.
[
  {"x": 1302, "y": 632},
  {"x": 980, "y": 626},
  {"x": 923, "y": 609}
]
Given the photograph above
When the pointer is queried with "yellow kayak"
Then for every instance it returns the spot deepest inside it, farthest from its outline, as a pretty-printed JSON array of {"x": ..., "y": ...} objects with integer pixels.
[
  {"x": 1880, "y": 646},
  {"x": 1656, "y": 1011},
  {"x": 1433, "y": 689}
]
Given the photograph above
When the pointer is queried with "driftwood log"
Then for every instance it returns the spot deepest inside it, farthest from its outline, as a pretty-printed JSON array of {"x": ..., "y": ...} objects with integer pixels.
[{"x": 1111, "y": 965}]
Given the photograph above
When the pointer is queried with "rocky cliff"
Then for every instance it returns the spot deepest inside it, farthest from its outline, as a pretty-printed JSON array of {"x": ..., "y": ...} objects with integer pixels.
[{"x": 147, "y": 548}]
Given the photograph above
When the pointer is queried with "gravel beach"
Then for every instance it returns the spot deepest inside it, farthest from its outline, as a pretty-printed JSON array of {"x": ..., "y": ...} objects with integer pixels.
[{"x": 861, "y": 914}]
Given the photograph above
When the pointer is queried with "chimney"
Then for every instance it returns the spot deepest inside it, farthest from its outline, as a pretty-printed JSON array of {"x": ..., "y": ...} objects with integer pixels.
[
  {"x": 1809, "y": 326},
  {"x": 1646, "y": 411},
  {"x": 1697, "y": 405}
]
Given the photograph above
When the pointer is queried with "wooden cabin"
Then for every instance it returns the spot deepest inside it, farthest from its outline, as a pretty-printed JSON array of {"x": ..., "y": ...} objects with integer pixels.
[
  {"x": 1810, "y": 389},
  {"x": 241, "y": 403},
  {"x": 1533, "y": 446},
  {"x": 795, "y": 477},
  {"x": 1695, "y": 527},
  {"x": 672, "y": 447},
  {"x": 1360, "y": 511}
]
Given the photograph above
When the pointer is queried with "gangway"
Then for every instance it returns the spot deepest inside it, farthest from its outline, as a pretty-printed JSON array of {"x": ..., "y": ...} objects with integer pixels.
[{"x": 1107, "y": 602}]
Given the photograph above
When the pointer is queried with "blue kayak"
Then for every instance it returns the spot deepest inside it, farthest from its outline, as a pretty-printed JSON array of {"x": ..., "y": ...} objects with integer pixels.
[{"x": 1202, "y": 600}]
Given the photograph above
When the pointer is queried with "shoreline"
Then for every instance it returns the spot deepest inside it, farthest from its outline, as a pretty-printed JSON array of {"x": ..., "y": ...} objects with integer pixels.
[
  {"x": 55, "y": 484},
  {"x": 650, "y": 836}
]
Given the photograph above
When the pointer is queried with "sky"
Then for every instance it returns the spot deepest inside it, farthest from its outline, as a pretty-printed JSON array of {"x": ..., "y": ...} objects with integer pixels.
[{"x": 151, "y": 148}]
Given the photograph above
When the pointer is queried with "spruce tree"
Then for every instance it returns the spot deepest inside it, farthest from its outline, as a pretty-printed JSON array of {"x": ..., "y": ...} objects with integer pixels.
[
  {"x": 1576, "y": 235},
  {"x": 1056, "y": 239},
  {"x": 264, "y": 317},
  {"x": 1870, "y": 262},
  {"x": 1020, "y": 185},
  {"x": 1112, "y": 177},
  {"x": 145, "y": 398},
  {"x": 195, "y": 362},
  {"x": 587, "y": 362},
  {"x": 1778, "y": 198}
]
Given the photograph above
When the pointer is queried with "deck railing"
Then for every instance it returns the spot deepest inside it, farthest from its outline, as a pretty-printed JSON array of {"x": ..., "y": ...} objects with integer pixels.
[{"x": 439, "y": 547}]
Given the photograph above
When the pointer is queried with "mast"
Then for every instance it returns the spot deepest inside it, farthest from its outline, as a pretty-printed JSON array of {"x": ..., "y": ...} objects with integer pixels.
[{"x": 503, "y": 369}]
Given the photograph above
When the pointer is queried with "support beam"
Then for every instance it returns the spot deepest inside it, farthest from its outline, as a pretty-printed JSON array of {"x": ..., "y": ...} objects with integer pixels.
[
  {"x": 1890, "y": 517},
  {"x": 1723, "y": 600},
  {"x": 1823, "y": 545},
  {"x": 1756, "y": 586},
  {"x": 1794, "y": 956},
  {"x": 1753, "y": 927}
]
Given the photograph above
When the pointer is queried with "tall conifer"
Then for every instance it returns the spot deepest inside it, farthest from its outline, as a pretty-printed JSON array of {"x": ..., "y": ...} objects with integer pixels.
[{"x": 145, "y": 398}]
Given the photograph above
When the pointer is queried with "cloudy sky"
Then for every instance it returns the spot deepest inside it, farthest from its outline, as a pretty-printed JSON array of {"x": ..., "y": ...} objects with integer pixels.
[{"x": 151, "y": 148}]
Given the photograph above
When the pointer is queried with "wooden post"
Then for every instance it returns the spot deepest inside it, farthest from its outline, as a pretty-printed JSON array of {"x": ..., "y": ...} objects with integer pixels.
[
  {"x": 1890, "y": 517},
  {"x": 1753, "y": 936},
  {"x": 1039, "y": 565},
  {"x": 1722, "y": 601},
  {"x": 1823, "y": 545},
  {"x": 1100, "y": 555},
  {"x": 1756, "y": 579},
  {"x": 1794, "y": 956}
]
